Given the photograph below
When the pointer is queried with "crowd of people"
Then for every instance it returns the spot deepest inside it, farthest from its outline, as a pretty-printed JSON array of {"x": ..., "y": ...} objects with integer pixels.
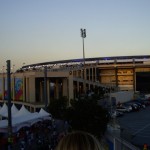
[
  {"x": 51, "y": 135},
  {"x": 43, "y": 134}
]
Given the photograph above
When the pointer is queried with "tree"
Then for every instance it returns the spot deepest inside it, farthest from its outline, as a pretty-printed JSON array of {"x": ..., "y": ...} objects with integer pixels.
[
  {"x": 83, "y": 114},
  {"x": 87, "y": 115},
  {"x": 57, "y": 107}
]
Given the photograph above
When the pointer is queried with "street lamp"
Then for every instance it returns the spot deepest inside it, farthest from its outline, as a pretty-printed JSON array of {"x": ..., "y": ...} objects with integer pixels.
[{"x": 83, "y": 35}]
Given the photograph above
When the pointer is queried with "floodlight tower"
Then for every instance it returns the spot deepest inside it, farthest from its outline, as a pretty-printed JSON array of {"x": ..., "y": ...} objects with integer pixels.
[{"x": 83, "y": 35}]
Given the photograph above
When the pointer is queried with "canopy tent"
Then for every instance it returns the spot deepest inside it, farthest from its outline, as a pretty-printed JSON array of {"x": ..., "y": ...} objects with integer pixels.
[
  {"x": 14, "y": 111},
  {"x": 15, "y": 127},
  {"x": 22, "y": 112},
  {"x": 45, "y": 115},
  {"x": 4, "y": 110},
  {"x": 43, "y": 112},
  {"x": 24, "y": 118}
]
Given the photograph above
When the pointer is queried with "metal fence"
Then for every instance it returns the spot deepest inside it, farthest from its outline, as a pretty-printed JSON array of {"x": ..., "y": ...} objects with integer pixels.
[
  {"x": 113, "y": 141},
  {"x": 121, "y": 144}
]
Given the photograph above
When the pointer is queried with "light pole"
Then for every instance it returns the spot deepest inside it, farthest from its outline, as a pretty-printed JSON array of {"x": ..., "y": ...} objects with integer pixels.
[
  {"x": 9, "y": 104},
  {"x": 45, "y": 87},
  {"x": 83, "y": 35}
]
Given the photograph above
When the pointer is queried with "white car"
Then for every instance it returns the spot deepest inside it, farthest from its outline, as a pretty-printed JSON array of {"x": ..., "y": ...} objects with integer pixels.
[
  {"x": 115, "y": 114},
  {"x": 124, "y": 109}
]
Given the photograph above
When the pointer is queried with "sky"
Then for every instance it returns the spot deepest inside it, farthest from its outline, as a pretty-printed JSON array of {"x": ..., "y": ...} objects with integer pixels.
[{"x": 35, "y": 31}]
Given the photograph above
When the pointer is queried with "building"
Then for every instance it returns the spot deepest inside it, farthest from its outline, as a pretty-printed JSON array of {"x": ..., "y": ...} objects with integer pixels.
[
  {"x": 126, "y": 72},
  {"x": 36, "y": 85}
]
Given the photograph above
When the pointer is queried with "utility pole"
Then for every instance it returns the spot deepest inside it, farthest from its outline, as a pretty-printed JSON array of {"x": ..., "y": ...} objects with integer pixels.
[
  {"x": 45, "y": 87},
  {"x": 9, "y": 105}
]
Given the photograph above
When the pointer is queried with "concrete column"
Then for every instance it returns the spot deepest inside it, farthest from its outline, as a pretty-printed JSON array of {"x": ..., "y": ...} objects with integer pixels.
[
  {"x": 27, "y": 89},
  {"x": 84, "y": 86},
  {"x": 89, "y": 74},
  {"x": 116, "y": 76},
  {"x": 70, "y": 88},
  {"x": 41, "y": 92},
  {"x": 92, "y": 75},
  {"x": 134, "y": 79},
  {"x": 78, "y": 88},
  {"x": 57, "y": 89},
  {"x": 48, "y": 91},
  {"x": 65, "y": 87},
  {"x": 88, "y": 86},
  {"x": 3, "y": 87},
  {"x": 24, "y": 88},
  {"x": 95, "y": 74},
  {"x": 85, "y": 76},
  {"x": 32, "y": 89}
]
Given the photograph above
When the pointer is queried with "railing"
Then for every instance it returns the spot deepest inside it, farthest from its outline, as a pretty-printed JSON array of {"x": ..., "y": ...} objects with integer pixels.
[
  {"x": 113, "y": 136},
  {"x": 121, "y": 144}
]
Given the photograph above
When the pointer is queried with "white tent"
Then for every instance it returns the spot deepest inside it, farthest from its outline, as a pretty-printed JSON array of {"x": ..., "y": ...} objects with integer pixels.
[
  {"x": 3, "y": 126},
  {"x": 34, "y": 118},
  {"x": 24, "y": 118},
  {"x": 14, "y": 110},
  {"x": 3, "y": 110},
  {"x": 15, "y": 126},
  {"x": 22, "y": 112},
  {"x": 44, "y": 114},
  {"x": 19, "y": 122}
]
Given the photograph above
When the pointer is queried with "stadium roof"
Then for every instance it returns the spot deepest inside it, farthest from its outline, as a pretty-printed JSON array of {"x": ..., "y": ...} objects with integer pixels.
[{"x": 96, "y": 59}]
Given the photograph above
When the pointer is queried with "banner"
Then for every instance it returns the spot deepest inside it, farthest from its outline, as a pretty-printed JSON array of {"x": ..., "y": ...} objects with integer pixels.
[
  {"x": 18, "y": 89},
  {"x": 5, "y": 90},
  {"x": 1, "y": 88}
]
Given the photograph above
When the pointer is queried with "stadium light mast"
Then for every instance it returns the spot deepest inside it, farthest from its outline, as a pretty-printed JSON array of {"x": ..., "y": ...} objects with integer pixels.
[{"x": 83, "y": 35}]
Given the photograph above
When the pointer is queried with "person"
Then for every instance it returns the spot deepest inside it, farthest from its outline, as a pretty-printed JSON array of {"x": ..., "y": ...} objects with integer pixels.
[{"x": 79, "y": 140}]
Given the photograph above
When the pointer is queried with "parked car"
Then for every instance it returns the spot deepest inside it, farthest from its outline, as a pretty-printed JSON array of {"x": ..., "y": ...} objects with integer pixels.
[
  {"x": 146, "y": 102},
  {"x": 134, "y": 106},
  {"x": 128, "y": 106},
  {"x": 116, "y": 114},
  {"x": 124, "y": 108},
  {"x": 121, "y": 108},
  {"x": 140, "y": 103}
]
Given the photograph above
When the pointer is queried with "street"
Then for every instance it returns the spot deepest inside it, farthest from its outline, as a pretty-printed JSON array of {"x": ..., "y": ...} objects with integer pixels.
[{"x": 135, "y": 127}]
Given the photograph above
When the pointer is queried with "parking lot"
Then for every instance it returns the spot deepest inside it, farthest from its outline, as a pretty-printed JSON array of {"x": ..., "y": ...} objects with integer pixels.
[{"x": 135, "y": 126}]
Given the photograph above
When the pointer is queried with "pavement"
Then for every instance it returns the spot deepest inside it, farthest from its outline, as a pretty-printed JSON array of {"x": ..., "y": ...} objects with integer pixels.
[{"x": 135, "y": 127}]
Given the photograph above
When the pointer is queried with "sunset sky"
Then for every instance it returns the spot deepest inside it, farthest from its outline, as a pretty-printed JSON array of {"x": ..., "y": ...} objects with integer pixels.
[{"x": 33, "y": 31}]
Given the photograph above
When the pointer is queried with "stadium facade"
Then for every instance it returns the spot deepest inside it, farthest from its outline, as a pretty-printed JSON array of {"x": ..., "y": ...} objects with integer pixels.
[{"x": 33, "y": 85}]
